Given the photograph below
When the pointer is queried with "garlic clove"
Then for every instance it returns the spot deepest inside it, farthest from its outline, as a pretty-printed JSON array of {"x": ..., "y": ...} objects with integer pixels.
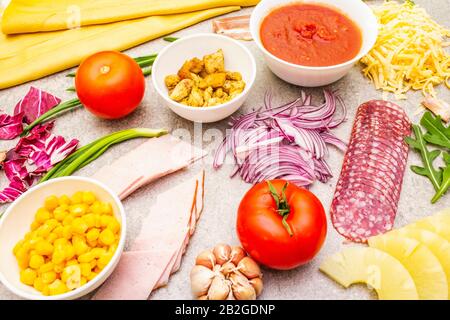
[
  {"x": 222, "y": 253},
  {"x": 205, "y": 297},
  {"x": 243, "y": 291},
  {"x": 231, "y": 296},
  {"x": 206, "y": 258},
  {"x": 201, "y": 278},
  {"x": 237, "y": 254},
  {"x": 219, "y": 289},
  {"x": 249, "y": 268},
  {"x": 227, "y": 268},
  {"x": 257, "y": 284}
]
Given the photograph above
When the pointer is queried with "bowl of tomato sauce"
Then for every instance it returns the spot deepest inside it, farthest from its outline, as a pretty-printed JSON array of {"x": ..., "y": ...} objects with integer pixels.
[{"x": 313, "y": 43}]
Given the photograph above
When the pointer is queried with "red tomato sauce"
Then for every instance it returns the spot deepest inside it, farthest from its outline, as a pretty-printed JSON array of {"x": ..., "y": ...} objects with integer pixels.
[{"x": 310, "y": 35}]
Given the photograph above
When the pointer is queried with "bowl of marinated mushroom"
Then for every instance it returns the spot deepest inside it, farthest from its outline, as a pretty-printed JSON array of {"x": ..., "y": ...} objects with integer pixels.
[{"x": 204, "y": 77}]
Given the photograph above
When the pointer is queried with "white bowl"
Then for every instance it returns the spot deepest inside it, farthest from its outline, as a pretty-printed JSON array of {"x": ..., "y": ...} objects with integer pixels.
[
  {"x": 16, "y": 221},
  {"x": 170, "y": 59},
  {"x": 307, "y": 76}
]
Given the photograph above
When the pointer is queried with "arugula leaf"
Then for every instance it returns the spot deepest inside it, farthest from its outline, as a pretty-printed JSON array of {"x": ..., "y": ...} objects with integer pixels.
[
  {"x": 437, "y": 133},
  {"x": 445, "y": 184},
  {"x": 447, "y": 158},
  {"x": 428, "y": 157}
]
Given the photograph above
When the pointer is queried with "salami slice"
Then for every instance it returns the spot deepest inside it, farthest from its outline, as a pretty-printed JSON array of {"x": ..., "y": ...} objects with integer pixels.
[{"x": 368, "y": 190}]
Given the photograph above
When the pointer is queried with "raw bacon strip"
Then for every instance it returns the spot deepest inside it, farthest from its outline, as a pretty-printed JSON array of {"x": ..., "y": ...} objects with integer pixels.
[
  {"x": 159, "y": 246},
  {"x": 368, "y": 190},
  {"x": 234, "y": 27},
  {"x": 151, "y": 160}
]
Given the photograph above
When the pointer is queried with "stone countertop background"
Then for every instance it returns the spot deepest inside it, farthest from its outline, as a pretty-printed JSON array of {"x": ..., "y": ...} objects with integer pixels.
[{"x": 217, "y": 224}]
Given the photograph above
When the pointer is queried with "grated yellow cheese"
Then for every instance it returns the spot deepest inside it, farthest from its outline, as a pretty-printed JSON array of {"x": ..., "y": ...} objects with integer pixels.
[{"x": 409, "y": 52}]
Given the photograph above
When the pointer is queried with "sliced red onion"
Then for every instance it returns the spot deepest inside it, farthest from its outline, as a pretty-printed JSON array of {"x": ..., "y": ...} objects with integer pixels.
[{"x": 285, "y": 142}]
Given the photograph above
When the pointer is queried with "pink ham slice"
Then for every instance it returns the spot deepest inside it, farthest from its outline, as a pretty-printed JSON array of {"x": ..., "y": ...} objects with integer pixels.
[
  {"x": 157, "y": 251},
  {"x": 234, "y": 27},
  {"x": 151, "y": 160}
]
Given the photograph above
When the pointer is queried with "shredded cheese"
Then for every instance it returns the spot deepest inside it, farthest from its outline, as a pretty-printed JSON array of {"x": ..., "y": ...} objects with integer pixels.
[{"x": 409, "y": 52}]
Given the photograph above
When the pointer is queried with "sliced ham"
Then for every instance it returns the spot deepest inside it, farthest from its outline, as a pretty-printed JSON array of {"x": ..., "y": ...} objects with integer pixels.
[
  {"x": 158, "y": 249},
  {"x": 151, "y": 160},
  {"x": 234, "y": 27}
]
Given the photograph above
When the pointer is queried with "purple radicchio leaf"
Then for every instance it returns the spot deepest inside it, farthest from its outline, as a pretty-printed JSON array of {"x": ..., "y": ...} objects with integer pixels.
[
  {"x": 43, "y": 149},
  {"x": 13, "y": 190},
  {"x": 10, "y": 126},
  {"x": 35, "y": 103}
]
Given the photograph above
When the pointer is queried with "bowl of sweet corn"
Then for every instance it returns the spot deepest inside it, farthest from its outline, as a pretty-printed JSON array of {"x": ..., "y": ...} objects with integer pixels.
[{"x": 61, "y": 239}]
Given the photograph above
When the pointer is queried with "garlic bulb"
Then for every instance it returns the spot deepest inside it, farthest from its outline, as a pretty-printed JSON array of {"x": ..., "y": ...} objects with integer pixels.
[{"x": 226, "y": 273}]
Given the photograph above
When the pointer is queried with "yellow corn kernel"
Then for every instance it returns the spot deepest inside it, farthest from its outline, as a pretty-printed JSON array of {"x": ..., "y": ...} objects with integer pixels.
[
  {"x": 106, "y": 208},
  {"x": 107, "y": 237},
  {"x": 79, "y": 245},
  {"x": 58, "y": 256},
  {"x": 89, "y": 219},
  {"x": 43, "y": 247},
  {"x": 48, "y": 277},
  {"x": 85, "y": 269},
  {"x": 79, "y": 226},
  {"x": 92, "y": 276},
  {"x": 89, "y": 197},
  {"x": 93, "y": 263},
  {"x": 23, "y": 263},
  {"x": 96, "y": 208},
  {"x": 43, "y": 231},
  {"x": 69, "y": 251},
  {"x": 68, "y": 220},
  {"x": 104, "y": 260},
  {"x": 97, "y": 269},
  {"x": 59, "y": 214},
  {"x": 58, "y": 231},
  {"x": 28, "y": 276},
  {"x": 83, "y": 281},
  {"x": 71, "y": 262},
  {"x": 38, "y": 284},
  {"x": 114, "y": 225},
  {"x": 78, "y": 210},
  {"x": 42, "y": 215},
  {"x": 46, "y": 268},
  {"x": 92, "y": 244},
  {"x": 52, "y": 237},
  {"x": 98, "y": 220},
  {"x": 77, "y": 197},
  {"x": 57, "y": 287},
  {"x": 18, "y": 246},
  {"x": 34, "y": 225},
  {"x": 93, "y": 234},
  {"x": 67, "y": 232},
  {"x": 105, "y": 220},
  {"x": 36, "y": 261},
  {"x": 112, "y": 248},
  {"x": 51, "y": 202},
  {"x": 60, "y": 243},
  {"x": 98, "y": 252},
  {"x": 86, "y": 257},
  {"x": 45, "y": 291},
  {"x": 64, "y": 199}
]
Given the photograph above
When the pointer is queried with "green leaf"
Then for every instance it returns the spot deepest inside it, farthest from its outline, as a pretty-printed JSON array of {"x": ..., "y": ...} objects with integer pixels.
[
  {"x": 437, "y": 133},
  {"x": 446, "y": 157},
  {"x": 444, "y": 186},
  {"x": 170, "y": 39},
  {"x": 428, "y": 157}
]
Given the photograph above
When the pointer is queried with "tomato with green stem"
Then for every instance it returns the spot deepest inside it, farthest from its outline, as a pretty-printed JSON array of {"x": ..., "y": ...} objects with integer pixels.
[{"x": 281, "y": 225}]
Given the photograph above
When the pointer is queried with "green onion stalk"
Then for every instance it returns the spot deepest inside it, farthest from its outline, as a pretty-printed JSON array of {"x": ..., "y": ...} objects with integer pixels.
[{"x": 90, "y": 152}]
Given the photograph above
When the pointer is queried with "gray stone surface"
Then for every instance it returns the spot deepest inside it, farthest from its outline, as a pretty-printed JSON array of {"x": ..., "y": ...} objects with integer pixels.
[{"x": 223, "y": 194}]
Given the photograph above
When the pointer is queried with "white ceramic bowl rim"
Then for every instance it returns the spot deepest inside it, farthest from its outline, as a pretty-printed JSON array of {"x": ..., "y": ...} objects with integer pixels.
[
  {"x": 89, "y": 284},
  {"x": 201, "y": 35},
  {"x": 257, "y": 24}
]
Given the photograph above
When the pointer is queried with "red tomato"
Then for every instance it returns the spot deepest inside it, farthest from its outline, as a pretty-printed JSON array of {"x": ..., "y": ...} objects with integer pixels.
[
  {"x": 110, "y": 84},
  {"x": 267, "y": 239}
]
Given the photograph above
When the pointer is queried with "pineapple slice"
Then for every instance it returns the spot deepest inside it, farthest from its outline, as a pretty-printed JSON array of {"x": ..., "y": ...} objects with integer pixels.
[
  {"x": 374, "y": 267},
  {"x": 424, "y": 267},
  {"x": 436, "y": 244},
  {"x": 438, "y": 223}
]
